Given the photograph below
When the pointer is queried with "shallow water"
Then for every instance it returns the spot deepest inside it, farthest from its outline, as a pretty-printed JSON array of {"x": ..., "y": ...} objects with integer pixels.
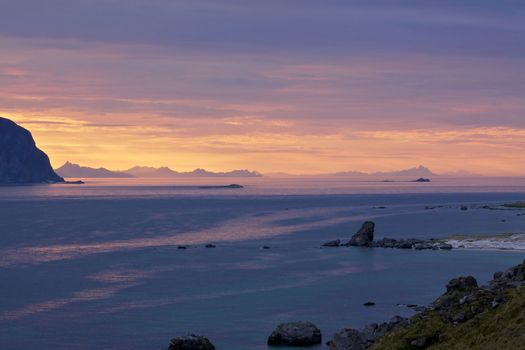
[{"x": 98, "y": 266}]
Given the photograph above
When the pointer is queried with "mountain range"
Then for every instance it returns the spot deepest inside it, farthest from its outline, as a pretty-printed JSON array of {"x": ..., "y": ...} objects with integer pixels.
[
  {"x": 71, "y": 170},
  {"x": 141, "y": 171},
  {"x": 419, "y": 171}
]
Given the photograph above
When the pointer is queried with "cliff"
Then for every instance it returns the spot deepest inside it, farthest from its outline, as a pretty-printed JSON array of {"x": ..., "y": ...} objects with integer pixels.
[{"x": 21, "y": 162}]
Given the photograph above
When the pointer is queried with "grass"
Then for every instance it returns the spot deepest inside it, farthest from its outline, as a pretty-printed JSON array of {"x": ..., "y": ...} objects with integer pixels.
[
  {"x": 516, "y": 205},
  {"x": 502, "y": 328}
]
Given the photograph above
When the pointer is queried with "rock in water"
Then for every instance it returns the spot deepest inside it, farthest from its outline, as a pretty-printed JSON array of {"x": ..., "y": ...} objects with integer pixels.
[
  {"x": 295, "y": 334},
  {"x": 348, "y": 339},
  {"x": 352, "y": 339},
  {"x": 191, "y": 342},
  {"x": 334, "y": 243},
  {"x": 21, "y": 162},
  {"x": 365, "y": 235}
]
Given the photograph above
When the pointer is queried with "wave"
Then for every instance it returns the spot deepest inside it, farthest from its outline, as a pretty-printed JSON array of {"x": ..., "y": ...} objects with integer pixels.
[{"x": 514, "y": 241}]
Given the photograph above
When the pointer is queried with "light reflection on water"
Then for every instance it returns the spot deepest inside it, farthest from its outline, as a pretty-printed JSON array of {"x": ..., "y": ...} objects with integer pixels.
[
  {"x": 98, "y": 266},
  {"x": 267, "y": 186}
]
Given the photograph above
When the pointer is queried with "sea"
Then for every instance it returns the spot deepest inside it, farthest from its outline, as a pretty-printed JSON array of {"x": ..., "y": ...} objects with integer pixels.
[{"x": 123, "y": 263}]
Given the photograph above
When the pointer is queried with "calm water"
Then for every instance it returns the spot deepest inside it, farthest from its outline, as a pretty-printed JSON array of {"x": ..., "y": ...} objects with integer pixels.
[{"x": 97, "y": 266}]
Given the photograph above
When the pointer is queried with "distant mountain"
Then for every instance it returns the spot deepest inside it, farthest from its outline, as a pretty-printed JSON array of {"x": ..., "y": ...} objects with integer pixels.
[
  {"x": 20, "y": 160},
  {"x": 71, "y": 170},
  {"x": 140, "y": 171},
  {"x": 146, "y": 171},
  {"x": 418, "y": 172},
  {"x": 461, "y": 173}
]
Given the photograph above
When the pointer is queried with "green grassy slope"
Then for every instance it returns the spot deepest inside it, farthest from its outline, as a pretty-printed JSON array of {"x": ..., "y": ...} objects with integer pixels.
[{"x": 501, "y": 328}]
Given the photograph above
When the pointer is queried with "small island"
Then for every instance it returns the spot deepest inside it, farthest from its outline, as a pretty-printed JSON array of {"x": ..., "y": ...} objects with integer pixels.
[{"x": 421, "y": 179}]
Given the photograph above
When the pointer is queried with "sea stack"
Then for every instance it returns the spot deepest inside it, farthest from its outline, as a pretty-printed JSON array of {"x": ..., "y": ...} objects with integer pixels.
[{"x": 21, "y": 162}]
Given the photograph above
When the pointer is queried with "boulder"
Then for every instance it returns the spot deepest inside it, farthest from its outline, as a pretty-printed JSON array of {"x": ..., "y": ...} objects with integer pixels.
[
  {"x": 386, "y": 243},
  {"x": 365, "y": 236},
  {"x": 351, "y": 339},
  {"x": 404, "y": 244},
  {"x": 424, "y": 341},
  {"x": 348, "y": 339},
  {"x": 295, "y": 334},
  {"x": 514, "y": 275},
  {"x": 443, "y": 246},
  {"x": 462, "y": 284},
  {"x": 191, "y": 342},
  {"x": 422, "y": 246}
]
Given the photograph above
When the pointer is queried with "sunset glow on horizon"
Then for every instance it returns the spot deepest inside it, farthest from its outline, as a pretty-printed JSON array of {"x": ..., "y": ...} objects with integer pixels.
[{"x": 300, "y": 87}]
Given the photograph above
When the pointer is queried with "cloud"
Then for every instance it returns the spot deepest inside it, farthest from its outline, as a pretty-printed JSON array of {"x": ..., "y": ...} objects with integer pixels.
[{"x": 225, "y": 84}]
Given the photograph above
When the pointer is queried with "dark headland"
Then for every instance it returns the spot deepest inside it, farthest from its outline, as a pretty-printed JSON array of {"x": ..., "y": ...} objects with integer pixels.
[{"x": 21, "y": 162}]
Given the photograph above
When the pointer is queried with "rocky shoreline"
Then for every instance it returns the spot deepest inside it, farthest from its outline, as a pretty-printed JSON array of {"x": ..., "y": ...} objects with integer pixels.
[
  {"x": 364, "y": 237},
  {"x": 464, "y": 306},
  {"x": 462, "y": 302}
]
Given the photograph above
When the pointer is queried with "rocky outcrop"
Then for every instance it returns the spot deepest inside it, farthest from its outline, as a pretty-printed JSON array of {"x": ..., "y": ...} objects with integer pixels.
[
  {"x": 295, "y": 334},
  {"x": 411, "y": 243},
  {"x": 352, "y": 339},
  {"x": 21, "y": 162},
  {"x": 365, "y": 236},
  {"x": 348, "y": 339},
  {"x": 334, "y": 243},
  {"x": 454, "y": 320},
  {"x": 191, "y": 342}
]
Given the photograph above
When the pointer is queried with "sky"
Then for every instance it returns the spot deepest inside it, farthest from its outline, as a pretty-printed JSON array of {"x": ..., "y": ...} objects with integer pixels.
[{"x": 297, "y": 86}]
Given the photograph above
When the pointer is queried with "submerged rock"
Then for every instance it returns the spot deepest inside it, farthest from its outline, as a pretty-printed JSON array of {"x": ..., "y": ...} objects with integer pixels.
[
  {"x": 295, "y": 334},
  {"x": 365, "y": 236},
  {"x": 191, "y": 342},
  {"x": 334, "y": 243}
]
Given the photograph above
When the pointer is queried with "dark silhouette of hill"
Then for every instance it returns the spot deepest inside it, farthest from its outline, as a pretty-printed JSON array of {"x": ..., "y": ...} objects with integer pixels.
[
  {"x": 417, "y": 172},
  {"x": 21, "y": 162},
  {"x": 71, "y": 170}
]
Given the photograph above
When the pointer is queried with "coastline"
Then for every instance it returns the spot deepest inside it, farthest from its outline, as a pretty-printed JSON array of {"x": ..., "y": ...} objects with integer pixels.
[
  {"x": 502, "y": 242},
  {"x": 248, "y": 290}
]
